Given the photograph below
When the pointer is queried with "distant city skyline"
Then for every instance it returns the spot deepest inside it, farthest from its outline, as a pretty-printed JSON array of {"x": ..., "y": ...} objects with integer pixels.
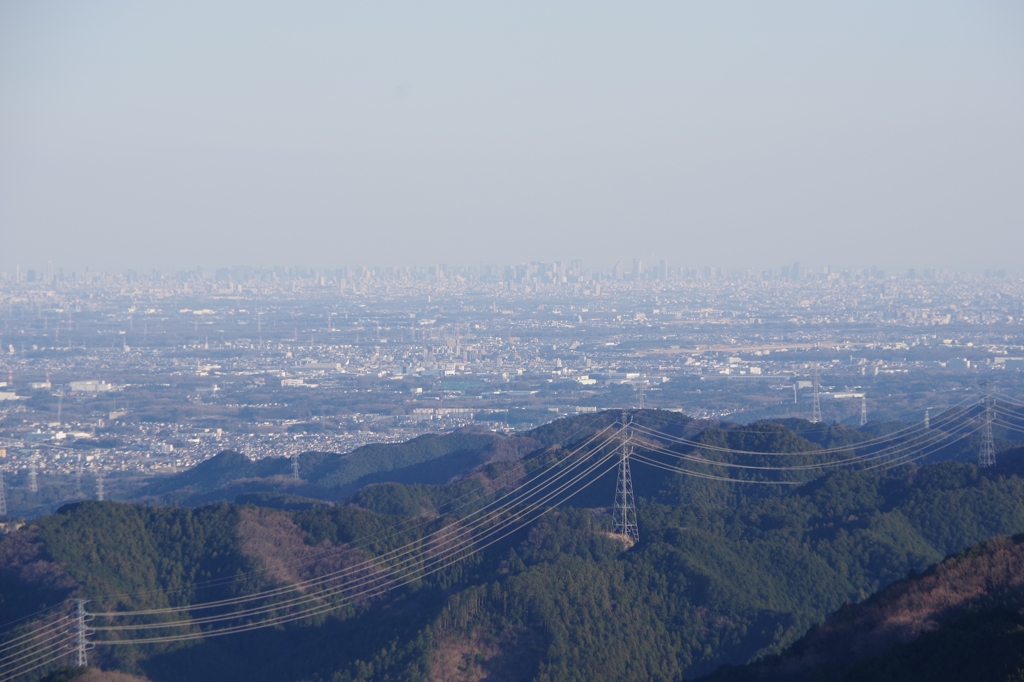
[{"x": 568, "y": 270}]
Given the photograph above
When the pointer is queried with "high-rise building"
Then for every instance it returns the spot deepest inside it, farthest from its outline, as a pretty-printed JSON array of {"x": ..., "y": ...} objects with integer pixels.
[{"x": 638, "y": 268}]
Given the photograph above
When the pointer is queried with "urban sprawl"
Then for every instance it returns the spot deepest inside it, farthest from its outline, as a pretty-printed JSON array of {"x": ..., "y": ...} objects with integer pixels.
[{"x": 129, "y": 374}]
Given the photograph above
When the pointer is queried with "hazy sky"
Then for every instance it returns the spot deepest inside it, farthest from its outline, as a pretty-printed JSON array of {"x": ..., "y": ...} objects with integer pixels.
[{"x": 738, "y": 134}]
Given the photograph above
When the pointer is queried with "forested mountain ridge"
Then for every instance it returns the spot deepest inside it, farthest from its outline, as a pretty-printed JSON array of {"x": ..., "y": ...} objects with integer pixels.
[
  {"x": 961, "y": 619},
  {"x": 723, "y": 572},
  {"x": 327, "y": 476},
  {"x": 332, "y": 476},
  {"x": 435, "y": 459}
]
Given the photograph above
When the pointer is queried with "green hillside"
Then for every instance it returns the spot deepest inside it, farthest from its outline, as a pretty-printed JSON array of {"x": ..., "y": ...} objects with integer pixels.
[
  {"x": 329, "y": 476},
  {"x": 724, "y": 573},
  {"x": 436, "y": 459},
  {"x": 961, "y": 619}
]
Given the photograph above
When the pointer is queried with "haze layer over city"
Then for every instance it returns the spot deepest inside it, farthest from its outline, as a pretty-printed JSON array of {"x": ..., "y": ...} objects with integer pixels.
[{"x": 131, "y": 374}]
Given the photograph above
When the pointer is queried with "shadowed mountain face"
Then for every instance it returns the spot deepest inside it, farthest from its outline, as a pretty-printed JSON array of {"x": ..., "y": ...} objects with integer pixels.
[
  {"x": 332, "y": 476},
  {"x": 962, "y": 619},
  {"x": 90, "y": 675},
  {"x": 724, "y": 573},
  {"x": 438, "y": 459},
  {"x": 429, "y": 459}
]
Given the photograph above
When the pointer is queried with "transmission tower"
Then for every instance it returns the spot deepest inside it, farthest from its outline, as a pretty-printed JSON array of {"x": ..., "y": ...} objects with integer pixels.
[
  {"x": 624, "y": 511},
  {"x": 78, "y": 476},
  {"x": 81, "y": 641},
  {"x": 641, "y": 393},
  {"x": 927, "y": 418},
  {"x": 987, "y": 453},
  {"x": 863, "y": 410},
  {"x": 99, "y": 484},
  {"x": 33, "y": 476},
  {"x": 295, "y": 467},
  {"x": 3, "y": 496},
  {"x": 816, "y": 408}
]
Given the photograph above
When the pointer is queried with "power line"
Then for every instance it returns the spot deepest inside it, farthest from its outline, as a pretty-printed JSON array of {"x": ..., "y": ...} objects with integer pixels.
[
  {"x": 419, "y": 568},
  {"x": 907, "y": 456},
  {"x": 505, "y": 502},
  {"x": 19, "y": 640},
  {"x": 449, "y": 507},
  {"x": 891, "y": 441},
  {"x": 389, "y": 558},
  {"x": 464, "y": 540},
  {"x": 11, "y": 623},
  {"x": 36, "y": 648},
  {"x": 844, "y": 448},
  {"x": 923, "y": 451},
  {"x": 480, "y": 529},
  {"x": 882, "y": 454}
]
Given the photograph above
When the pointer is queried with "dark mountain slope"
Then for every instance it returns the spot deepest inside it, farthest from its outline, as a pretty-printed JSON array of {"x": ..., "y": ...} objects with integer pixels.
[
  {"x": 430, "y": 459},
  {"x": 962, "y": 619},
  {"x": 436, "y": 459},
  {"x": 723, "y": 574},
  {"x": 329, "y": 476},
  {"x": 90, "y": 675}
]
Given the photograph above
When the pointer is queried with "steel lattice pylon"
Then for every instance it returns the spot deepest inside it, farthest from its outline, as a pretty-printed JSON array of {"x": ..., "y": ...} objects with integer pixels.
[
  {"x": 81, "y": 634},
  {"x": 816, "y": 409},
  {"x": 33, "y": 474},
  {"x": 987, "y": 453},
  {"x": 624, "y": 512}
]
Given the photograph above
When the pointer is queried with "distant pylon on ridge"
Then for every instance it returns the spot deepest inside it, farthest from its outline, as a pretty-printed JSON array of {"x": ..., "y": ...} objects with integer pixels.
[
  {"x": 33, "y": 475},
  {"x": 99, "y": 484},
  {"x": 295, "y": 467},
  {"x": 987, "y": 453},
  {"x": 927, "y": 418},
  {"x": 3, "y": 495},
  {"x": 816, "y": 407},
  {"x": 863, "y": 410},
  {"x": 78, "y": 476},
  {"x": 624, "y": 511}
]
